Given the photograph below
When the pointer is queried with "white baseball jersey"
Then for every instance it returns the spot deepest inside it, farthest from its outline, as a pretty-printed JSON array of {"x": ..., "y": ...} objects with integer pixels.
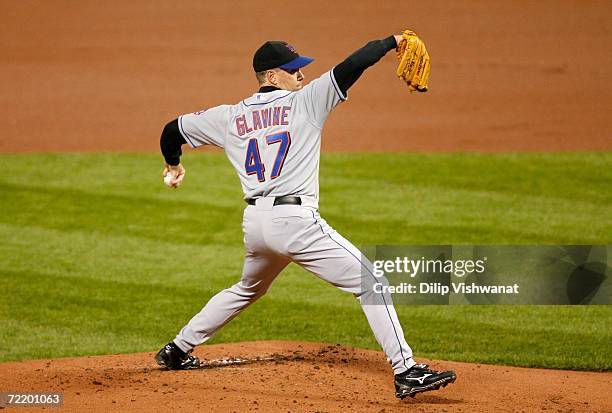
[{"x": 272, "y": 139}]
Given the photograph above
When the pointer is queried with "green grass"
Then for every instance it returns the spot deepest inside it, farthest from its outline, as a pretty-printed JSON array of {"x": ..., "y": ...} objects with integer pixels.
[{"x": 98, "y": 257}]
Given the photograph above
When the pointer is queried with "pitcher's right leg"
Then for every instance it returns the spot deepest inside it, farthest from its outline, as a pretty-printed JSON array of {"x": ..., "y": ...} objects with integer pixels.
[{"x": 321, "y": 250}]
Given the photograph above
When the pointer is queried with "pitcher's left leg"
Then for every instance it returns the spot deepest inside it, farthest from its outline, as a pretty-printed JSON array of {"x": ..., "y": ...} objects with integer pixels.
[{"x": 259, "y": 272}]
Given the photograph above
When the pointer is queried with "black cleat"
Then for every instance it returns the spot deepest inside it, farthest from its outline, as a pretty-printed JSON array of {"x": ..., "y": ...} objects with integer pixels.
[
  {"x": 173, "y": 358},
  {"x": 420, "y": 379}
]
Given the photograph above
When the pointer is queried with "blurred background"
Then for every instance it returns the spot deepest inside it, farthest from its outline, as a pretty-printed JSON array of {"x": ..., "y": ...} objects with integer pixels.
[{"x": 506, "y": 76}]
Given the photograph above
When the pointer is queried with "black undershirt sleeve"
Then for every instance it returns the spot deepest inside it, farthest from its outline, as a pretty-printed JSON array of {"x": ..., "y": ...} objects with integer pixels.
[
  {"x": 347, "y": 72},
  {"x": 170, "y": 143}
]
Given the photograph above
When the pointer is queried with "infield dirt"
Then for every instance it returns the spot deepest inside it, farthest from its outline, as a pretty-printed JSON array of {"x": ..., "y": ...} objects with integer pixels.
[
  {"x": 506, "y": 76},
  {"x": 305, "y": 377}
]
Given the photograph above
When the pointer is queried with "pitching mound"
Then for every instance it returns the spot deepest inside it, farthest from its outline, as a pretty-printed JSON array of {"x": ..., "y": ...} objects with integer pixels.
[{"x": 289, "y": 376}]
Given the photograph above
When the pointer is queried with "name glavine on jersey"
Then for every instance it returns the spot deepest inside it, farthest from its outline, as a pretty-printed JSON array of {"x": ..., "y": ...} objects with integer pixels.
[{"x": 261, "y": 119}]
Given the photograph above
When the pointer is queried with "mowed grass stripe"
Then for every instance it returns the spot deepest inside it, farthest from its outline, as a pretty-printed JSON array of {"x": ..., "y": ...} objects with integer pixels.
[
  {"x": 85, "y": 316},
  {"x": 90, "y": 317},
  {"x": 96, "y": 256}
]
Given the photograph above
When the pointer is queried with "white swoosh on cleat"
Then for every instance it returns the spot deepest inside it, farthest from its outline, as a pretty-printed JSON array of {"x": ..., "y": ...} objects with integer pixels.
[{"x": 419, "y": 379}]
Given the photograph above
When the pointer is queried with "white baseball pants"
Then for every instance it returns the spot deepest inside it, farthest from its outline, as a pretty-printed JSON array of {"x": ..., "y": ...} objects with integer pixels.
[{"x": 276, "y": 235}]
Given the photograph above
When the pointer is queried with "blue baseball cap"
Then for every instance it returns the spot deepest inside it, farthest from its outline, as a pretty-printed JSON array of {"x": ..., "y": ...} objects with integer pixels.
[{"x": 278, "y": 54}]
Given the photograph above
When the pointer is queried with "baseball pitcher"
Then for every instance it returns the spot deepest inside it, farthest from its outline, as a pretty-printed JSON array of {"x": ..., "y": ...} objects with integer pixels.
[{"x": 273, "y": 140}]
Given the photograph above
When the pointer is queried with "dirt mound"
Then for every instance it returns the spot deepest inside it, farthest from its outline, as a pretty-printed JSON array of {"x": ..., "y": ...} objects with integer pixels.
[{"x": 297, "y": 377}]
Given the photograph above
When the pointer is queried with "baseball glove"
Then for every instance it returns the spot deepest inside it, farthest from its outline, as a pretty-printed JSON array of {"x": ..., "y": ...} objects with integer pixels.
[{"x": 413, "y": 61}]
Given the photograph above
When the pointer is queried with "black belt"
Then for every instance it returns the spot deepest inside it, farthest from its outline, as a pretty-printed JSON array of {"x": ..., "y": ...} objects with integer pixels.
[{"x": 280, "y": 200}]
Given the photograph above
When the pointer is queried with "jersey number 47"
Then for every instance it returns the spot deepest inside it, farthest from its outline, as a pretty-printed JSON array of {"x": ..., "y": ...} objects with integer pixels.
[{"x": 253, "y": 164}]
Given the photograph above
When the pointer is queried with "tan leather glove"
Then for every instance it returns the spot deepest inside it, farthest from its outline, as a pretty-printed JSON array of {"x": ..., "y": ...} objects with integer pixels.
[{"x": 413, "y": 60}]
